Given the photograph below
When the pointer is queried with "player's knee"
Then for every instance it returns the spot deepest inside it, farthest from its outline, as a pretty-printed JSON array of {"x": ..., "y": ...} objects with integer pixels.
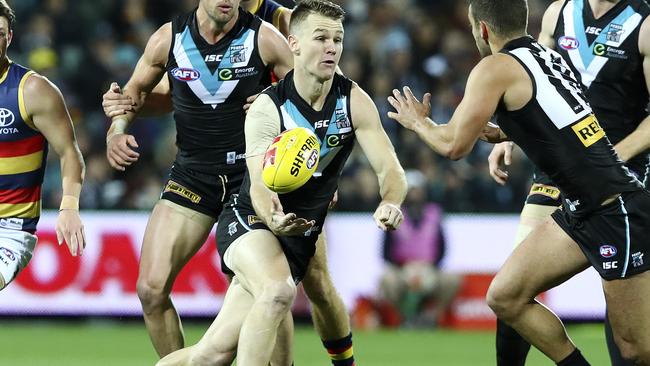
[
  {"x": 201, "y": 358},
  {"x": 634, "y": 350},
  {"x": 151, "y": 295},
  {"x": 502, "y": 300},
  {"x": 278, "y": 297}
]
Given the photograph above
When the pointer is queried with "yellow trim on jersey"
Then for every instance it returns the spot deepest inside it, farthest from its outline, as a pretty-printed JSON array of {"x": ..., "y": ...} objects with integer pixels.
[
  {"x": 276, "y": 17},
  {"x": 4, "y": 74},
  {"x": 257, "y": 7},
  {"x": 21, "y": 164},
  {"x": 21, "y": 210},
  {"x": 588, "y": 130},
  {"x": 21, "y": 101}
]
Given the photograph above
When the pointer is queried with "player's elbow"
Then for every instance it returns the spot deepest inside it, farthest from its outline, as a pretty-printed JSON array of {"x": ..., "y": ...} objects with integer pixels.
[{"x": 456, "y": 152}]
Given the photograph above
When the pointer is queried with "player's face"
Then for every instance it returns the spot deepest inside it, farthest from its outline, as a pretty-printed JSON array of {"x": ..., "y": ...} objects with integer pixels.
[
  {"x": 5, "y": 37},
  {"x": 481, "y": 44},
  {"x": 318, "y": 45},
  {"x": 220, "y": 11}
]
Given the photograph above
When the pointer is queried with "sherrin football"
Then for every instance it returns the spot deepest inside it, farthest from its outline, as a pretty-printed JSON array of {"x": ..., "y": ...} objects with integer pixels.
[{"x": 291, "y": 160}]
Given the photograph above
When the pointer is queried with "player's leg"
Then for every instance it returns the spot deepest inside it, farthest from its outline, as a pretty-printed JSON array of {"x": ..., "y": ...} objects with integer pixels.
[
  {"x": 258, "y": 261},
  {"x": 173, "y": 235},
  {"x": 218, "y": 345},
  {"x": 628, "y": 308},
  {"x": 329, "y": 314},
  {"x": 512, "y": 349},
  {"x": 16, "y": 249},
  {"x": 615, "y": 355},
  {"x": 545, "y": 259},
  {"x": 283, "y": 352}
]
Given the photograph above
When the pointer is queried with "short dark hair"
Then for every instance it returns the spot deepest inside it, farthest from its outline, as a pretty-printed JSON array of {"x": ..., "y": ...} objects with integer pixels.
[
  {"x": 323, "y": 7},
  {"x": 7, "y": 12},
  {"x": 505, "y": 17}
]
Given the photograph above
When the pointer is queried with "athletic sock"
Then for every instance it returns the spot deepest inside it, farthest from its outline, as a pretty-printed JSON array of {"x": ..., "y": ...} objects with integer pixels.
[
  {"x": 340, "y": 351},
  {"x": 612, "y": 347},
  {"x": 512, "y": 348},
  {"x": 574, "y": 359}
]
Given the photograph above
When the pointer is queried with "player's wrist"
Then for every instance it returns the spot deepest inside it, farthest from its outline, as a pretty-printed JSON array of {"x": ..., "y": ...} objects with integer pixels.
[
  {"x": 69, "y": 202},
  {"x": 118, "y": 127}
]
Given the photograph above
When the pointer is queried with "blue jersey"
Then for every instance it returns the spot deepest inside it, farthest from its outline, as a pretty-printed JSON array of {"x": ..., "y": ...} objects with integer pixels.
[{"x": 23, "y": 151}]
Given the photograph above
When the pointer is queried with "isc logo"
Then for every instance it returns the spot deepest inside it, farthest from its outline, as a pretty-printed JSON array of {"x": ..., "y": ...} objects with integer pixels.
[
  {"x": 568, "y": 43},
  {"x": 185, "y": 74},
  {"x": 213, "y": 58},
  {"x": 610, "y": 265},
  {"x": 322, "y": 123}
]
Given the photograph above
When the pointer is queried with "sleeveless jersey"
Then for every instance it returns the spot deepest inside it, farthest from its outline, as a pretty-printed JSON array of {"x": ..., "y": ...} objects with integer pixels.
[
  {"x": 269, "y": 11},
  {"x": 335, "y": 131},
  {"x": 559, "y": 133},
  {"x": 209, "y": 87},
  {"x": 605, "y": 54},
  {"x": 23, "y": 151}
]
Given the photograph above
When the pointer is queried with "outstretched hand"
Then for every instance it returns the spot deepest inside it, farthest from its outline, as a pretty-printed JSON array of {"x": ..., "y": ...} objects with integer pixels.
[
  {"x": 409, "y": 111},
  {"x": 282, "y": 224}
]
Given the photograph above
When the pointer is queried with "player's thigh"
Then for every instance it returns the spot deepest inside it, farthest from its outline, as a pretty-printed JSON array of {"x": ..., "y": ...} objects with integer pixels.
[
  {"x": 545, "y": 259},
  {"x": 532, "y": 215},
  {"x": 257, "y": 259},
  {"x": 628, "y": 306},
  {"x": 317, "y": 275},
  {"x": 173, "y": 235}
]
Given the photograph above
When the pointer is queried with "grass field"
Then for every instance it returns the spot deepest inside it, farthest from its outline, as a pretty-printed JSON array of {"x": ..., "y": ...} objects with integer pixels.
[{"x": 39, "y": 343}]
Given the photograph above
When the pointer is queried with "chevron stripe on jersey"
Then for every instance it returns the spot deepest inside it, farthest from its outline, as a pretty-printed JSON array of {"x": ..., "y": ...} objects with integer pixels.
[
  {"x": 213, "y": 87},
  {"x": 556, "y": 91},
  {"x": 584, "y": 57}
]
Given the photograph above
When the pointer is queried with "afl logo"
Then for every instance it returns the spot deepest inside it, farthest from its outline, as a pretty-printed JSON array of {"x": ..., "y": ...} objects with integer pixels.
[
  {"x": 6, "y": 117},
  {"x": 568, "y": 43},
  {"x": 607, "y": 251},
  {"x": 185, "y": 74}
]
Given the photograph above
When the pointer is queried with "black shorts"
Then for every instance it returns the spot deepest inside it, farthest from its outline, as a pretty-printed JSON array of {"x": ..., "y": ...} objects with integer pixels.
[
  {"x": 237, "y": 220},
  {"x": 204, "y": 193},
  {"x": 543, "y": 191},
  {"x": 616, "y": 237}
]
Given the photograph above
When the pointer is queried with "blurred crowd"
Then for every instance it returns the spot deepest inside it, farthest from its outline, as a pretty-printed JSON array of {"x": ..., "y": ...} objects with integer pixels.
[{"x": 83, "y": 45}]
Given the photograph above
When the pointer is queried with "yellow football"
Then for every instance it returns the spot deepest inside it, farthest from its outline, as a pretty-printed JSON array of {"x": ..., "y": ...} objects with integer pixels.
[{"x": 291, "y": 160}]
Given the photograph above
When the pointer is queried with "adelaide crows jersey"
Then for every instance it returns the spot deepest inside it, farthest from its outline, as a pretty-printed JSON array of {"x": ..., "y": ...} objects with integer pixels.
[
  {"x": 23, "y": 151},
  {"x": 559, "y": 133},
  {"x": 604, "y": 53},
  {"x": 209, "y": 87},
  {"x": 269, "y": 11},
  {"x": 335, "y": 131}
]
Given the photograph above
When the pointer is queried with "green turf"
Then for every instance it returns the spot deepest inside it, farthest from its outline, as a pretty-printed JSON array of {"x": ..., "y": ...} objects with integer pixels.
[{"x": 32, "y": 343}]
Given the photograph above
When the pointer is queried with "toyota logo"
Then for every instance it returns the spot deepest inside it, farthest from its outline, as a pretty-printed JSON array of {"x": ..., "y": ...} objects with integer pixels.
[{"x": 6, "y": 117}]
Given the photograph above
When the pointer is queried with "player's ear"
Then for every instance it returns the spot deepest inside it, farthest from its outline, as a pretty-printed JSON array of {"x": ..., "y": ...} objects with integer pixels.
[
  {"x": 294, "y": 45},
  {"x": 484, "y": 31}
]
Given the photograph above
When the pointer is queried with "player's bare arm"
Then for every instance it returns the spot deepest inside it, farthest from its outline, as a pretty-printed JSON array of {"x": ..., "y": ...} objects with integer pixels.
[
  {"x": 157, "y": 103},
  {"x": 275, "y": 50},
  {"x": 261, "y": 127},
  {"x": 549, "y": 22},
  {"x": 46, "y": 108},
  {"x": 148, "y": 72},
  {"x": 495, "y": 77},
  {"x": 639, "y": 140},
  {"x": 380, "y": 153}
]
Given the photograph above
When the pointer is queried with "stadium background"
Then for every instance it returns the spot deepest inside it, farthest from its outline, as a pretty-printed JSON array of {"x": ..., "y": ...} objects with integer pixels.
[{"x": 83, "y": 45}]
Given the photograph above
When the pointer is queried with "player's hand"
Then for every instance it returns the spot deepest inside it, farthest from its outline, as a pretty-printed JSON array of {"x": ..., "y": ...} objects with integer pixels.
[
  {"x": 120, "y": 151},
  {"x": 115, "y": 103},
  {"x": 493, "y": 134},
  {"x": 388, "y": 216},
  {"x": 250, "y": 101},
  {"x": 70, "y": 230},
  {"x": 334, "y": 201},
  {"x": 282, "y": 224},
  {"x": 501, "y": 155},
  {"x": 409, "y": 111}
]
